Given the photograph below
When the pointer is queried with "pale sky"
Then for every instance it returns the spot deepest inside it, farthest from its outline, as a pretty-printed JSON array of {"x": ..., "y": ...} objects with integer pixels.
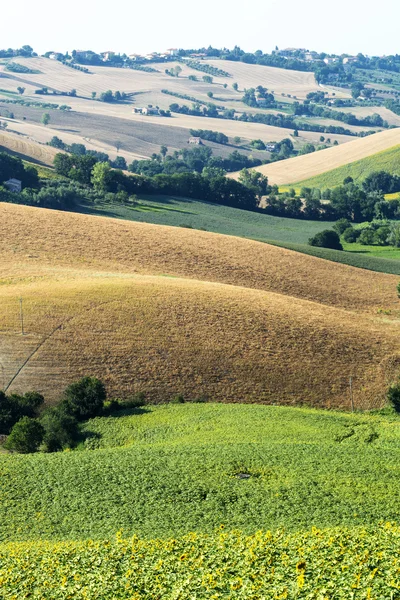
[{"x": 341, "y": 26}]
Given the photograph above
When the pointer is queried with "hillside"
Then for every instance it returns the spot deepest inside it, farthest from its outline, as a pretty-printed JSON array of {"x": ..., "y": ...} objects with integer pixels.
[
  {"x": 387, "y": 160},
  {"x": 26, "y": 148},
  {"x": 205, "y": 498},
  {"x": 166, "y": 311},
  {"x": 303, "y": 168}
]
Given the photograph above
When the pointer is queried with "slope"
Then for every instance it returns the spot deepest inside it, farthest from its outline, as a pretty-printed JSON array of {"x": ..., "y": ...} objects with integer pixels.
[
  {"x": 24, "y": 147},
  {"x": 387, "y": 160},
  {"x": 302, "y": 168},
  {"x": 167, "y": 311}
]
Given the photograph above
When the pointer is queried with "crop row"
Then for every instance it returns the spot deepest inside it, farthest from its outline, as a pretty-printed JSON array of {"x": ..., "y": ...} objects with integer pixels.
[{"x": 320, "y": 564}]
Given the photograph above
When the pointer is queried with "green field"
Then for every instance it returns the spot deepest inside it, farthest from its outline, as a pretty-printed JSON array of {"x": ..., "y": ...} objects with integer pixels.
[
  {"x": 203, "y": 479},
  {"x": 288, "y": 233},
  {"x": 388, "y": 160},
  {"x": 181, "y": 212}
]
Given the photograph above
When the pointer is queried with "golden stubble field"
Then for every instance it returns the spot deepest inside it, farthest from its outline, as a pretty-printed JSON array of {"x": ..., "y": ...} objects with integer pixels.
[
  {"x": 147, "y": 89},
  {"x": 26, "y": 147},
  {"x": 167, "y": 311}
]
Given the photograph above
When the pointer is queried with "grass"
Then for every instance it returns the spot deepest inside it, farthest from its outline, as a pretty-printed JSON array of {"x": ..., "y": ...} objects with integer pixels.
[
  {"x": 386, "y": 252},
  {"x": 175, "y": 211},
  {"x": 287, "y": 233},
  {"x": 207, "y": 501},
  {"x": 388, "y": 160}
]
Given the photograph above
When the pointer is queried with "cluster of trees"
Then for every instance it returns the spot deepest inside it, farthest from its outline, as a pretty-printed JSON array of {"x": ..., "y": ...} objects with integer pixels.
[
  {"x": 356, "y": 203},
  {"x": 379, "y": 232},
  {"x": 14, "y": 67},
  {"x": 52, "y": 429},
  {"x": 81, "y": 150},
  {"x": 209, "y": 110},
  {"x": 199, "y": 159},
  {"x": 26, "y": 51},
  {"x": 209, "y": 185},
  {"x": 211, "y": 136},
  {"x": 110, "y": 96},
  {"x": 13, "y": 167},
  {"x": 251, "y": 95},
  {"x": 310, "y": 109},
  {"x": 205, "y": 68},
  {"x": 288, "y": 122}
]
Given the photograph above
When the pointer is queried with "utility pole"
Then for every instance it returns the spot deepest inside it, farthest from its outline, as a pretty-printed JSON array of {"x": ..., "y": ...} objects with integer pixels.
[
  {"x": 351, "y": 393},
  {"x": 21, "y": 314}
]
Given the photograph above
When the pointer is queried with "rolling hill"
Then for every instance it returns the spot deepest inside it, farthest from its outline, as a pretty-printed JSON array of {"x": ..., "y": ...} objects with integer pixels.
[
  {"x": 166, "y": 311},
  {"x": 24, "y": 147},
  {"x": 303, "y": 168}
]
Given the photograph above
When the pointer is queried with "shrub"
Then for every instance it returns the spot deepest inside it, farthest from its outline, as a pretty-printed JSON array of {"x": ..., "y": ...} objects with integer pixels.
[
  {"x": 341, "y": 226},
  {"x": 351, "y": 235},
  {"x": 394, "y": 390},
  {"x": 326, "y": 239},
  {"x": 26, "y": 436},
  {"x": 15, "y": 406},
  {"x": 179, "y": 399},
  {"x": 60, "y": 429},
  {"x": 367, "y": 237},
  {"x": 85, "y": 398}
]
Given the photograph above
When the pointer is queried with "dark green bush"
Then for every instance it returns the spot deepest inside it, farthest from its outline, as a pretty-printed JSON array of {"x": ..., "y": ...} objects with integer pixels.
[
  {"x": 326, "y": 239},
  {"x": 60, "y": 429},
  {"x": 15, "y": 406},
  {"x": 341, "y": 226},
  {"x": 394, "y": 395},
  {"x": 26, "y": 436},
  {"x": 351, "y": 235},
  {"x": 85, "y": 398},
  {"x": 179, "y": 399}
]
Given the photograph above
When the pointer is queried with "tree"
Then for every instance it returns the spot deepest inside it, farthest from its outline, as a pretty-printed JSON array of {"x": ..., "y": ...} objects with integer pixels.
[
  {"x": 367, "y": 237},
  {"x": 257, "y": 144},
  {"x": 237, "y": 139},
  {"x": 20, "y": 90},
  {"x": 307, "y": 149},
  {"x": 85, "y": 398},
  {"x": 255, "y": 181},
  {"x": 296, "y": 133},
  {"x": 207, "y": 79},
  {"x": 356, "y": 89},
  {"x": 394, "y": 235},
  {"x": 210, "y": 94},
  {"x": 177, "y": 70},
  {"x": 326, "y": 239},
  {"x": 351, "y": 235},
  {"x": 60, "y": 428},
  {"x": 341, "y": 226},
  {"x": 73, "y": 93},
  {"x": 45, "y": 118},
  {"x": 26, "y": 436},
  {"x": 164, "y": 151},
  {"x": 235, "y": 86},
  {"x": 120, "y": 163},
  {"x": 101, "y": 176}
]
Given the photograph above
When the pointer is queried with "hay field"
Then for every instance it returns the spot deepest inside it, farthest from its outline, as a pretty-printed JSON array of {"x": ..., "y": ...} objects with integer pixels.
[
  {"x": 302, "y": 168},
  {"x": 27, "y": 148},
  {"x": 296, "y": 83},
  {"x": 167, "y": 311},
  {"x": 147, "y": 88}
]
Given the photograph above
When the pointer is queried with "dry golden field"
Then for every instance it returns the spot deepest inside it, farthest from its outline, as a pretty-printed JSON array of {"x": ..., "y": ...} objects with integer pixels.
[
  {"x": 167, "y": 310},
  {"x": 304, "y": 167},
  {"x": 26, "y": 147},
  {"x": 147, "y": 89}
]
